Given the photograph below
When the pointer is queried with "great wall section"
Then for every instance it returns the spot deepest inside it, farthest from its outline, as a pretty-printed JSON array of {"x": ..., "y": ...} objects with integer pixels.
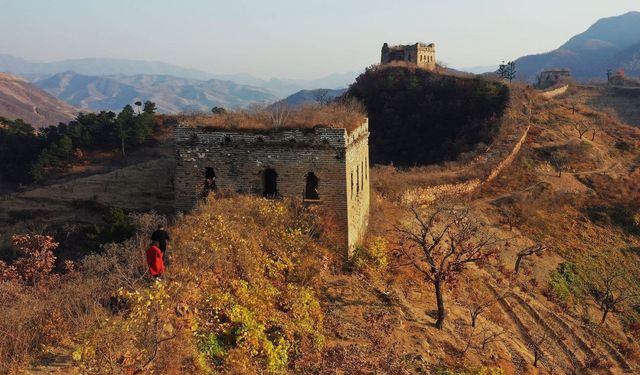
[
  {"x": 496, "y": 156},
  {"x": 499, "y": 156},
  {"x": 550, "y": 94}
]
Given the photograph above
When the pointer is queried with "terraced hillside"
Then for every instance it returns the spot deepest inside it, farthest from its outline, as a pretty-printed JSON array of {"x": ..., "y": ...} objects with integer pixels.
[{"x": 253, "y": 279}]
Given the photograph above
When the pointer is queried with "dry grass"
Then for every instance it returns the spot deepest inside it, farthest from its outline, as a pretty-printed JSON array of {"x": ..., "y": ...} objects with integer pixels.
[
  {"x": 242, "y": 260},
  {"x": 239, "y": 297},
  {"x": 342, "y": 115}
]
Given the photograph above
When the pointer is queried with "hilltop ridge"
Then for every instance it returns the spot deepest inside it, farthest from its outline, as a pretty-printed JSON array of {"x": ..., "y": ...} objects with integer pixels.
[
  {"x": 20, "y": 99},
  {"x": 610, "y": 43}
]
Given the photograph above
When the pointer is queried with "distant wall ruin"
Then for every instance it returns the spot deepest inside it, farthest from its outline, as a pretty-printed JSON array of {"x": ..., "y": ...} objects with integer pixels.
[{"x": 420, "y": 54}]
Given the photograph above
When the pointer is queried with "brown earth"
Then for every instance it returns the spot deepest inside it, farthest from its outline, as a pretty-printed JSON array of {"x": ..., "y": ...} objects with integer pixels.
[
  {"x": 20, "y": 99},
  {"x": 378, "y": 323}
]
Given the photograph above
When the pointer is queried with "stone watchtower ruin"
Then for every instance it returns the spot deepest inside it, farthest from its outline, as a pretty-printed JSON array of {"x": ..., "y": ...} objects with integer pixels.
[
  {"x": 420, "y": 54},
  {"x": 319, "y": 165},
  {"x": 551, "y": 77}
]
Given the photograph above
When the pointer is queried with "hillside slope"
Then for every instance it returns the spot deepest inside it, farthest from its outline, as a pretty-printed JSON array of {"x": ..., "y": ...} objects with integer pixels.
[
  {"x": 418, "y": 117},
  {"x": 21, "y": 99},
  {"x": 315, "y": 96},
  {"x": 256, "y": 285},
  {"x": 611, "y": 43},
  {"x": 171, "y": 94}
]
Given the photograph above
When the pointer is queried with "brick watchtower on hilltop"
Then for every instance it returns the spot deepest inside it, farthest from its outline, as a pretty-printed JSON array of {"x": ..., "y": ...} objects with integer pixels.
[
  {"x": 421, "y": 54},
  {"x": 320, "y": 165}
]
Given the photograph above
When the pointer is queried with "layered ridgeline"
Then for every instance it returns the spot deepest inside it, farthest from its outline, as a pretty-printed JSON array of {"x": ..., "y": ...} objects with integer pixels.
[
  {"x": 20, "y": 99},
  {"x": 417, "y": 117},
  {"x": 280, "y": 87},
  {"x": 611, "y": 43},
  {"x": 171, "y": 94}
]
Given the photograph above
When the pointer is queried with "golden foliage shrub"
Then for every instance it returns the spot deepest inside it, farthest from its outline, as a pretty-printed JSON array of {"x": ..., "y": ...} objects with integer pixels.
[
  {"x": 372, "y": 256},
  {"x": 238, "y": 297}
]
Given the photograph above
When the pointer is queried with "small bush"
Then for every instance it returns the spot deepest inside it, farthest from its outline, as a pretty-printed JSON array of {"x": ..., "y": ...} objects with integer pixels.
[
  {"x": 623, "y": 146},
  {"x": 565, "y": 284},
  {"x": 37, "y": 260},
  {"x": 373, "y": 256},
  {"x": 117, "y": 227}
]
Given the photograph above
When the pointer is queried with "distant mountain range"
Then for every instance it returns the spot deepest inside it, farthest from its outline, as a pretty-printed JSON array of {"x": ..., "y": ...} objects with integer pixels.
[
  {"x": 97, "y": 67},
  {"x": 21, "y": 99},
  {"x": 310, "y": 96},
  {"x": 283, "y": 87},
  {"x": 280, "y": 87},
  {"x": 171, "y": 94},
  {"x": 610, "y": 43}
]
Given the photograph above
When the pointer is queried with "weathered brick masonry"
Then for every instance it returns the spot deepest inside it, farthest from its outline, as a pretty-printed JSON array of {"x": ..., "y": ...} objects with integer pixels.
[{"x": 243, "y": 161}]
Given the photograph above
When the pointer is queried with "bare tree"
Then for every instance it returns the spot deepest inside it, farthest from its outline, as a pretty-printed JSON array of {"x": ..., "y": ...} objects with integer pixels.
[
  {"x": 536, "y": 249},
  {"x": 478, "y": 307},
  {"x": 279, "y": 115},
  {"x": 322, "y": 96},
  {"x": 572, "y": 105},
  {"x": 478, "y": 299},
  {"x": 538, "y": 346},
  {"x": 611, "y": 291},
  {"x": 559, "y": 159},
  {"x": 441, "y": 244},
  {"x": 582, "y": 127},
  {"x": 601, "y": 123},
  {"x": 511, "y": 213},
  {"x": 479, "y": 339}
]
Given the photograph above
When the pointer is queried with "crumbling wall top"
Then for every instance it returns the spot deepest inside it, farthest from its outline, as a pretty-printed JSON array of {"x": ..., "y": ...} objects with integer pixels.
[{"x": 189, "y": 134}]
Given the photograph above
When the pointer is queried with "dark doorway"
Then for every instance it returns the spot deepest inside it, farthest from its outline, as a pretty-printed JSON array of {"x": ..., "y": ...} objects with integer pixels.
[
  {"x": 209, "y": 173},
  {"x": 270, "y": 183},
  {"x": 311, "y": 187},
  {"x": 209, "y": 182}
]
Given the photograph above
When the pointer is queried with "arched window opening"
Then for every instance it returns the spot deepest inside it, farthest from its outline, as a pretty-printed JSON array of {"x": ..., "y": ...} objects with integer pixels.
[
  {"x": 362, "y": 176},
  {"x": 357, "y": 179},
  {"x": 270, "y": 180},
  {"x": 311, "y": 187}
]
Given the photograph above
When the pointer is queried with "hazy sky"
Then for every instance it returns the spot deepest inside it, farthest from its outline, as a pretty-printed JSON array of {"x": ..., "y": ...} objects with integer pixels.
[{"x": 292, "y": 38}]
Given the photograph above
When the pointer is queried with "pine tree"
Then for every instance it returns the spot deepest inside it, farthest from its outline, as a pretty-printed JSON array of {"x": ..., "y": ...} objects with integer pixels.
[{"x": 507, "y": 71}]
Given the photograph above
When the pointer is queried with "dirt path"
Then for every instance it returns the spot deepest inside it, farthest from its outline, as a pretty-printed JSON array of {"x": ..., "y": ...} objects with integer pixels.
[{"x": 57, "y": 362}]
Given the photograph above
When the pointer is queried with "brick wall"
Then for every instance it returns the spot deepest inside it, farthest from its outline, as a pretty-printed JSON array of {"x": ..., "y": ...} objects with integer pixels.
[
  {"x": 358, "y": 197},
  {"x": 240, "y": 159},
  {"x": 429, "y": 194}
]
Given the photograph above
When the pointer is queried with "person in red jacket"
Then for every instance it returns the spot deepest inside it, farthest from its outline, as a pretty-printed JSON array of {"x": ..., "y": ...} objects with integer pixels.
[{"x": 155, "y": 260}]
